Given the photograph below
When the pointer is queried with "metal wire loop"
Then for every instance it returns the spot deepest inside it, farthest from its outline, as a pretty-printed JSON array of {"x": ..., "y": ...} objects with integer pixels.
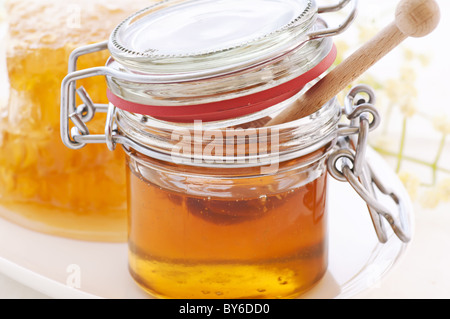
[
  {"x": 110, "y": 128},
  {"x": 343, "y": 26},
  {"x": 86, "y": 111},
  {"x": 397, "y": 227},
  {"x": 348, "y": 164},
  {"x": 79, "y": 124},
  {"x": 350, "y": 105},
  {"x": 362, "y": 108},
  {"x": 361, "y": 146},
  {"x": 343, "y": 157}
]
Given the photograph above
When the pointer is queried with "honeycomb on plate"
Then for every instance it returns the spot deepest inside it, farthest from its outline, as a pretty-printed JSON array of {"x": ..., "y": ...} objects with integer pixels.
[{"x": 44, "y": 185}]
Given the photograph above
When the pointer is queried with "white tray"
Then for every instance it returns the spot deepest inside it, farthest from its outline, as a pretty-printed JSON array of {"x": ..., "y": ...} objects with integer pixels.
[{"x": 357, "y": 261}]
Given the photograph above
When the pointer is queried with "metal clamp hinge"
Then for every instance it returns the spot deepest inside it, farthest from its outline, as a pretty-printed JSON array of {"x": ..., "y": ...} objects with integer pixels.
[{"x": 348, "y": 164}]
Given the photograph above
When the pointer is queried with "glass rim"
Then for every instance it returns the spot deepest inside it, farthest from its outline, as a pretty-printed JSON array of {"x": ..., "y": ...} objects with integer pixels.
[
  {"x": 125, "y": 38},
  {"x": 296, "y": 139}
]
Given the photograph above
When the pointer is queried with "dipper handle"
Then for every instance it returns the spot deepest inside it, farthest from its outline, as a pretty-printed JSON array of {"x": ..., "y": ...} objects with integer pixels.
[{"x": 414, "y": 18}]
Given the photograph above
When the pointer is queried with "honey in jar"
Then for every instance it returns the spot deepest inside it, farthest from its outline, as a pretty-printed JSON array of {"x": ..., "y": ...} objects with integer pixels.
[
  {"x": 43, "y": 185},
  {"x": 224, "y": 231},
  {"x": 267, "y": 241}
]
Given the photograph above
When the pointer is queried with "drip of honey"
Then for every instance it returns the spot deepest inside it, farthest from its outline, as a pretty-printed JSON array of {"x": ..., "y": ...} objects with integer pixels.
[
  {"x": 201, "y": 237},
  {"x": 44, "y": 185}
]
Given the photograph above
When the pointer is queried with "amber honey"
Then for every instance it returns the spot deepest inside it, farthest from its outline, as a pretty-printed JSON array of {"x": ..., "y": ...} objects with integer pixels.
[
  {"x": 43, "y": 185},
  {"x": 250, "y": 237}
]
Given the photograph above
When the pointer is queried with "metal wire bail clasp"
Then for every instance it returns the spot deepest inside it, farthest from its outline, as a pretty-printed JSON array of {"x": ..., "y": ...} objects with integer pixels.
[
  {"x": 328, "y": 32},
  {"x": 348, "y": 164},
  {"x": 78, "y": 135}
]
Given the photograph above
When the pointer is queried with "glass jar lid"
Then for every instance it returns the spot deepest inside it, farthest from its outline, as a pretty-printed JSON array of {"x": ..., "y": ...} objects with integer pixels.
[
  {"x": 212, "y": 60},
  {"x": 210, "y": 36}
]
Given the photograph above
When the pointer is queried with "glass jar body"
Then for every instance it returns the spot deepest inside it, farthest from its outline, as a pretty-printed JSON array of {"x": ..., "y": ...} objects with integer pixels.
[
  {"x": 217, "y": 229},
  {"x": 214, "y": 233}
]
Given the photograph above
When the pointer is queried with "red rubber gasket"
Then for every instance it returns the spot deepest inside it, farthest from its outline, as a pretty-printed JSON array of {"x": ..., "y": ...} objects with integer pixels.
[{"x": 227, "y": 109}]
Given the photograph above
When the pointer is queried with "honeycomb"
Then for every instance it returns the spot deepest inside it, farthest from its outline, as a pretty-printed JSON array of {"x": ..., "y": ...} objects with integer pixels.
[{"x": 43, "y": 185}]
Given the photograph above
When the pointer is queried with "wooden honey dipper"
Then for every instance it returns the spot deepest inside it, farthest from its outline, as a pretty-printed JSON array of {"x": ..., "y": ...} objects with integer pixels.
[{"x": 414, "y": 18}]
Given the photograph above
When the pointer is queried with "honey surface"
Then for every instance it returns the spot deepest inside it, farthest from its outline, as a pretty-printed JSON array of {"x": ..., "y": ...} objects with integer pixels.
[
  {"x": 44, "y": 185},
  {"x": 248, "y": 238}
]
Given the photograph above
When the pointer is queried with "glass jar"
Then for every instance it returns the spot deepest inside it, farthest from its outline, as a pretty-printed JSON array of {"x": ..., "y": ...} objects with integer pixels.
[
  {"x": 40, "y": 185},
  {"x": 220, "y": 205},
  {"x": 227, "y": 228}
]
